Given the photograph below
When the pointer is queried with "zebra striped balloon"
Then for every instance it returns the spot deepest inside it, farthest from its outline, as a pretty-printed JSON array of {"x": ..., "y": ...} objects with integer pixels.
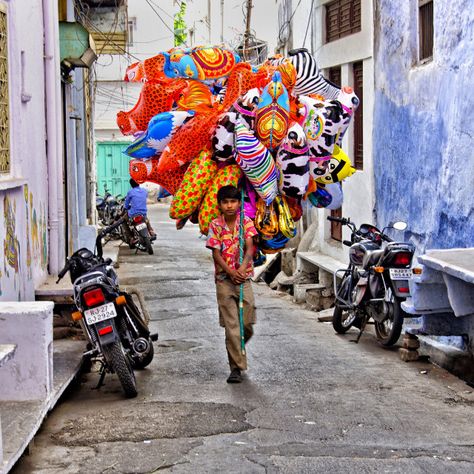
[
  {"x": 309, "y": 79},
  {"x": 257, "y": 163}
]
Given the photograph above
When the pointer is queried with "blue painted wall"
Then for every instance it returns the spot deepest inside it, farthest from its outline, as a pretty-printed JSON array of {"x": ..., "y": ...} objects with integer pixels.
[{"x": 424, "y": 124}]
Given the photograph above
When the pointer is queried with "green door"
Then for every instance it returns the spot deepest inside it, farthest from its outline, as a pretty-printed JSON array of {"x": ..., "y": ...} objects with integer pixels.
[{"x": 112, "y": 168}]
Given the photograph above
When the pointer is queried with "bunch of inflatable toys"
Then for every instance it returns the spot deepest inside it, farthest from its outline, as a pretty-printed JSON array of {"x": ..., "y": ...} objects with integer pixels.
[{"x": 205, "y": 119}]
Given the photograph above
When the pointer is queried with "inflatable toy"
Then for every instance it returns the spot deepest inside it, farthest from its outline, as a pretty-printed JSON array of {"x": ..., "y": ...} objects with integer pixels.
[
  {"x": 273, "y": 112},
  {"x": 309, "y": 79},
  {"x": 149, "y": 70},
  {"x": 250, "y": 200},
  {"x": 349, "y": 103},
  {"x": 337, "y": 196},
  {"x": 193, "y": 137},
  {"x": 320, "y": 198},
  {"x": 257, "y": 163},
  {"x": 196, "y": 96},
  {"x": 266, "y": 220},
  {"x": 240, "y": 81},
  {"x": 196, "y": 181},
  {"x": 160, "y": 130},
  {"x": 286, "y": 224},
  {"x": 275, "y": 244},
  {"x": 293, "y": 161},
  {"x": 154, "y": 99},
  {"x": 142, "y": 171},
  {"x": 201, "y": 63},
  {"x": 331, "y": 169},
  {"x": 321, "y": 124},
  {"x": 209, "y": 210},
  {"x": 296, "y": 210}
]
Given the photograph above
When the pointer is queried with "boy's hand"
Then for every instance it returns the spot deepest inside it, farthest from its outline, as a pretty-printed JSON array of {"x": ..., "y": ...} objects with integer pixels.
[{"x": 237, "y": 276}]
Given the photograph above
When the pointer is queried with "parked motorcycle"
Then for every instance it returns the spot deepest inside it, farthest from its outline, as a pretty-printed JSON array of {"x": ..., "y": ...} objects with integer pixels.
[
  {"x": 136, "y": 234},
  {"x": 117, "y": 330},
  {"x": 375, "y": 282},
  {"x": 109, "y": 207}
]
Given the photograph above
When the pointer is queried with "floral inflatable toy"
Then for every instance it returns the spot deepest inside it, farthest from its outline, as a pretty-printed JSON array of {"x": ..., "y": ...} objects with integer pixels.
[
  {"x": 309, "y": 79},
  {"x": 293, "y": 161},
  {"x": 209, "y": 210},
  {"x": 331, "y": 169},
  {"x": 154, "y": 99},
  {"x": 196, "y": 96},
  {"x": 160, "y": 130},
  {"x": 142, "y": 171},
  {"x": 196, "y": 181},
  {"x": 273, "y": 113},
  {"x": 257, "y": 163},
  {"x": 193, "y": 137},
  {"x": 321, "y": 124},
  {"x": 201, "y": 63}
]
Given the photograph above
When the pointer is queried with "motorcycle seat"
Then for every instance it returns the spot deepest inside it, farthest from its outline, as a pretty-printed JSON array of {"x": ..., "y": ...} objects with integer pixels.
[{"x": 372, "y": 258}]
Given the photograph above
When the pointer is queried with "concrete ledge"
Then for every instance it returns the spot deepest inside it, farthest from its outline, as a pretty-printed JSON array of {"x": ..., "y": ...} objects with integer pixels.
[
  {"x": 22, "y": 419},
  {"x": 326, "y": 265},
  {"x": 29, "y": 325}
]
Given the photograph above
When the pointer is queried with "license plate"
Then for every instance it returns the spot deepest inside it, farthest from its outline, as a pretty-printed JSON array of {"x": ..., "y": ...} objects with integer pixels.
[
  {"x": 101, "y": 313},
  {"x": 140, "y": 226},
  {"x": 400, "y": 273}
]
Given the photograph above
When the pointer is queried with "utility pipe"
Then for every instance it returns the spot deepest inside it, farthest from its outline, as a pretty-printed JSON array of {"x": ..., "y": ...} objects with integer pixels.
[{"x": 54, "y": 147}]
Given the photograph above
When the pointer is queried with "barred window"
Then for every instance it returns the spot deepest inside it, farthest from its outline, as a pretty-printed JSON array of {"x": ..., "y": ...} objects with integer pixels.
[
  {"x": 4, "y": 114},
  {"x": 343, "y": 18},
  {"x": 426, "y": 30}
]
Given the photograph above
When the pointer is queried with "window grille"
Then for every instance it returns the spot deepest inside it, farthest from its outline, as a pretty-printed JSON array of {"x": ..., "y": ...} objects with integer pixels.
[
  {"x": 426, "y": 29},
  {"x": 359, "y": 116},
  {"x": 343, "y": 18},
  {"x": 4, "y": 113}
]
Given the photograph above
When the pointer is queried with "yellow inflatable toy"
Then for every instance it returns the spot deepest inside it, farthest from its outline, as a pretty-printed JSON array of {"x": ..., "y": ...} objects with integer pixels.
[{"x": 333, "y": 169}]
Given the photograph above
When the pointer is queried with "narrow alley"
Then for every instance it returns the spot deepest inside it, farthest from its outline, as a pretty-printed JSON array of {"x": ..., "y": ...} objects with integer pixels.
[{"x": 311, "y": 401}]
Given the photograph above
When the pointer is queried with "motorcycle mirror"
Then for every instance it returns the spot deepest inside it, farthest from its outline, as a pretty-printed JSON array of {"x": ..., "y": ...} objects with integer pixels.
[{"x": 400, "y": 225}]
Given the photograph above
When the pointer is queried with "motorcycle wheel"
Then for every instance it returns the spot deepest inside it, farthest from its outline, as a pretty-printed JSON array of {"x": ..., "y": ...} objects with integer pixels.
[
  {"x": 121, "y": 365},
  {"x": 388, "y": 331},
  {"x": 147, "y": 244},
  {"x": 344, "y": 319}
]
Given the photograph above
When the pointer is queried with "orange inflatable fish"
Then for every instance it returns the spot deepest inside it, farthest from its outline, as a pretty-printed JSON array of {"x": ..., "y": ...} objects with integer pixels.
[
  {"x": 154, "y": 99},
  {"x": 150, "y": 70},
  {"x": 142, "y": 171}
]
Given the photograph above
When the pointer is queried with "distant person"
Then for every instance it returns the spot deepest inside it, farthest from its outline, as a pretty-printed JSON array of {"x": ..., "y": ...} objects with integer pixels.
[
  {"x": 223, "y": 239},
  {"x": 135, "y": 204}
]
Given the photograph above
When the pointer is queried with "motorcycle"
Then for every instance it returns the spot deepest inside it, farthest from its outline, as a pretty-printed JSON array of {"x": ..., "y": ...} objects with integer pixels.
[
  {"x": 375, "y": 282},
  {"x": 118, "y": 334},
  {"x": 108, "y": 207},
  {"x": 135, "y": 233}
]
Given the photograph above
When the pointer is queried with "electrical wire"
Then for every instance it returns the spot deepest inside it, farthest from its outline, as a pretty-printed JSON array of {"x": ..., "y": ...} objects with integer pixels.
[
  {"x": 286, "y": 24},
  {"x": 152, "y": 6}
]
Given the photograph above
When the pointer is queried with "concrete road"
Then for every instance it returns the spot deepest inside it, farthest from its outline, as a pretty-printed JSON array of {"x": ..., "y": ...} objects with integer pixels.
[{"x": 311, "y": 402}]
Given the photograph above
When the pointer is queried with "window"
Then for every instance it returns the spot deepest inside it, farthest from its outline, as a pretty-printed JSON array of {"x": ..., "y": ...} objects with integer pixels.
[
  {"x": 336, "y": 227},
  {"x": 426, "y": 30},
  {"x": 131, "y": 27},
  {"x": 357, "y": 69},
  {"x": 335, "y": 75},
  {"x": 343, "y": 17},
  {"x": 4, "y": 113}
]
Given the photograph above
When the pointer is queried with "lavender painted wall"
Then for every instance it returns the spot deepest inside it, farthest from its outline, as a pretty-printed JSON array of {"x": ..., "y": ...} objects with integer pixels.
[
  {"x": 25, "y": 187},
  {"x": 423, "y": 126}
]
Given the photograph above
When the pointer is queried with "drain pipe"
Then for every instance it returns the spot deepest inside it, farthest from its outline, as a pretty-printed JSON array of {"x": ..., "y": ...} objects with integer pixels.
[{"x": 54, "y": 143}]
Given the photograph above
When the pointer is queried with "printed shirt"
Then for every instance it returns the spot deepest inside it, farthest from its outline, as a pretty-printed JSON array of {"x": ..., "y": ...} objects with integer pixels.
[
  {"x": 227, "y": 241},
  {"x": 135, "y": 202}
]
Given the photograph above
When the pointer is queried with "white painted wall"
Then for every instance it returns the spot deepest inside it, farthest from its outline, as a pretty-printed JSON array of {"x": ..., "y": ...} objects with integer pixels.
[
  {"x": 28, "y": 155},
  {"x": 359, "y": 196}
]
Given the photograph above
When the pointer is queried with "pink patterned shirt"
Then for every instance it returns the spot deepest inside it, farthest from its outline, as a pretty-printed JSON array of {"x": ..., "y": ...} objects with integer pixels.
[{"x": 227, "y": 241}]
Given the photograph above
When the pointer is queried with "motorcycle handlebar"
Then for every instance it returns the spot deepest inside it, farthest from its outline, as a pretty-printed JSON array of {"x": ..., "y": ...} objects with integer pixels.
[
  {"x": 63, "y": 272},
  {"x": 342, "y": 220},
  {"x": 104, "y": 232}
]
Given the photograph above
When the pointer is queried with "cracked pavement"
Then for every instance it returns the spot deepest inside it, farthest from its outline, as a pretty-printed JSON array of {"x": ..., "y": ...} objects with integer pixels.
[{"x": 311, "y": 401}]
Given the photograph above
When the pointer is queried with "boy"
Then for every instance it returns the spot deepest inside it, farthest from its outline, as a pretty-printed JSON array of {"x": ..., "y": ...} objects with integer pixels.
[{"x": 223, "y": 239}]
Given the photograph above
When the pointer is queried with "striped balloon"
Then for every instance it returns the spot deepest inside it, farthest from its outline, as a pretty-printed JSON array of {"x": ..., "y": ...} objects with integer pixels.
[{"x": 257, "y": 163}]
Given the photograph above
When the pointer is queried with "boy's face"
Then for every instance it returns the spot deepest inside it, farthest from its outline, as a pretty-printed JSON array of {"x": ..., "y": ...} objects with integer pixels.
[{"x": 229, "y": 206}]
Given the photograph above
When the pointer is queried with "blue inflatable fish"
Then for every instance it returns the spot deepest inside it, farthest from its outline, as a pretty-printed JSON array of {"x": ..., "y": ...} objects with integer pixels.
[{"x": 161, "y": 129}]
